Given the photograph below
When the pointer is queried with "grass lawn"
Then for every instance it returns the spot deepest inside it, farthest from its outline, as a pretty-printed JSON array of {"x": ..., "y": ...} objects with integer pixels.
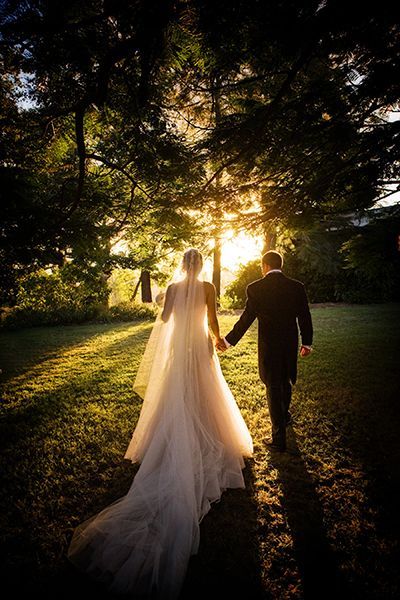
[{"x": 321, "y": 521}]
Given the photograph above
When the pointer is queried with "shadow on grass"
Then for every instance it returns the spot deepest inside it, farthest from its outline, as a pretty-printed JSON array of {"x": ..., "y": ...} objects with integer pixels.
[
  {"x": 369, "y": 439},
  {"x": 317, "y": 563},
  {"x": 26, "y": 574},
  {"x": 30, "y": 441},
  {"x": 58, "y": 399},
  {"x": 228, "y": 562},
  {"x": 25, "y": 349},
  {"x": 227, "y": 559}
]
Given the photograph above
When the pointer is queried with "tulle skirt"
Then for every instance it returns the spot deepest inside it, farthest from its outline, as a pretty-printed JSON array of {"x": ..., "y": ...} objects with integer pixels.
[{"x": 191, "y": 447}]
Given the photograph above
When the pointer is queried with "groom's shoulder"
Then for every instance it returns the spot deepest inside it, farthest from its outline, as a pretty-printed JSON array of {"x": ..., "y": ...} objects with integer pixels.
[
  {"x": 294, "y": 282},
  {"x": 254, "y": 284}
]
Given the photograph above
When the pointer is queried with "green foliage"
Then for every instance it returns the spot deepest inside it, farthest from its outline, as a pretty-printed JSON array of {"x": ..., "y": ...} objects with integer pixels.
[
  {"x": 372, "y": 263},
  {"x": 122, "y": 284},
  {"x": 229, "y": 303},
  {"x": 63, "y": 200},
  {"x": 40, "y": 291},
  {"x": 16, "y": 317},
  {"x": 130, "y": 311},
  {"x": 56, "y": 298},
  {"x": 63, "y": 287},
  {"x": 312, "y": 256},
  {"x": 337, "y": 261},
  {"x": 292, "y": 129},
  {"x": 145, "y": 115},
  {"x": 236, "y": 291}
]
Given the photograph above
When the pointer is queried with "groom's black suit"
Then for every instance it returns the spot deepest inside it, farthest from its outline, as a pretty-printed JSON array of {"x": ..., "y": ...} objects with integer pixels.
[{"x": 279, "y": 303}]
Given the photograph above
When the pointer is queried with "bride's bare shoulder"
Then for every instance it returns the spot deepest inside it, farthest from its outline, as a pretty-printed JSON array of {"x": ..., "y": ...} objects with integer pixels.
[
  {"x": 209, "y": 287},
  {"x": 171, "y": 290}
]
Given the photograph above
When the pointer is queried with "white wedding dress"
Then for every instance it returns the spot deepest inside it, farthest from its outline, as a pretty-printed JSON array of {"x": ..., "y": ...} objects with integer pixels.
[{"x": 190, "y": 441}]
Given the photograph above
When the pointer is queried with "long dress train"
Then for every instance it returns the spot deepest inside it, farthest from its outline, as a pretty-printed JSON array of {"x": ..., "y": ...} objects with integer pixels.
[{"x": 190, "y": 441}]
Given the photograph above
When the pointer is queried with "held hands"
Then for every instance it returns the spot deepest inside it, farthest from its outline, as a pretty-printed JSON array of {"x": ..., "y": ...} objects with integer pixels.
[
  {"x": 220, "y": 344},
  {"x": 305, "y": 351},
  {"x": 221, "y": 347}
]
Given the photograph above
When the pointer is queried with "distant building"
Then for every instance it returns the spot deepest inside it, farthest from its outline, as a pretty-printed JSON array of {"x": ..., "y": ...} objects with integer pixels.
[{"x": 361, "y": 218}]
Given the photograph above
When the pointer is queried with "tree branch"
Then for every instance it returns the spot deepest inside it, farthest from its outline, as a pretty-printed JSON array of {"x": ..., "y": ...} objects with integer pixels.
[
  {"x": 116, "y": 167},
  {"x": 81, "y": 150},
  {"x": 128, "y": 210},
  {"x": 265, "y": 112}
]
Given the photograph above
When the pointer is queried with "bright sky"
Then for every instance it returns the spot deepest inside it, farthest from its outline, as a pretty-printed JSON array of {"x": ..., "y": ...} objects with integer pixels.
[
  {"x": 240, "y": 248},
  {"x": 237, "y": 249}
]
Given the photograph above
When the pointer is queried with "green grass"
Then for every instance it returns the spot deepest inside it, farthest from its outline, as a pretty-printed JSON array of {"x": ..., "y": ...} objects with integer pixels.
[{"x": 318, "y": 522}]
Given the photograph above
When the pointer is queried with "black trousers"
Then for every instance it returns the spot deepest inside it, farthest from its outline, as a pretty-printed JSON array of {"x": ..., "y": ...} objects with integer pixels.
[{"x": 279, "y": 395}]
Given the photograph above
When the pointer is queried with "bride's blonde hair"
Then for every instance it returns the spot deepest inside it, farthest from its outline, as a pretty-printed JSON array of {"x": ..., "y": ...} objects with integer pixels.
[{"x": 192, "y": 261}]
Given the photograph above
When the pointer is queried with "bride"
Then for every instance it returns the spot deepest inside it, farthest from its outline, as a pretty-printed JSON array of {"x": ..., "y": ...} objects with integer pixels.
[{"x": 190, "y": 441}]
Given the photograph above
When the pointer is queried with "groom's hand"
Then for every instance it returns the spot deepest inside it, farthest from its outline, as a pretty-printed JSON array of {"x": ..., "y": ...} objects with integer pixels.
[
  {"x": 305, "y": 351},
  {"x": 220, "y": 345}
]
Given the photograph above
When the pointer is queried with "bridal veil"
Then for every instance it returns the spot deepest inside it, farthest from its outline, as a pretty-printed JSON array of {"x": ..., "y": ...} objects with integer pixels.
[{"x": 190, "y": 441}]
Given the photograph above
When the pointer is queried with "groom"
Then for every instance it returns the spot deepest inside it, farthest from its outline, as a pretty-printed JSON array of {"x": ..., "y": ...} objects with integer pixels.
[{"x": 279, "y": 303}]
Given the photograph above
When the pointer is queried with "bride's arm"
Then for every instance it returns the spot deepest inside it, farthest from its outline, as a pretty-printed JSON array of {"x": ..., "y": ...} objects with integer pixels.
[
  {"x": 168, "y": 303},
  {"x": 211, "y": 299}
]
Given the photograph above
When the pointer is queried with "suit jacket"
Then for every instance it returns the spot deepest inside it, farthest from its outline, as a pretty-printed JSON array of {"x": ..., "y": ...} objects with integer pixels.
[{"x": 280, "y": 305}]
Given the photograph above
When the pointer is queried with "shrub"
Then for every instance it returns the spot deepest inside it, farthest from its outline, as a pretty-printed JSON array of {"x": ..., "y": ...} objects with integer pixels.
[
  {"x": 18, "y": 317},
  {"x": 229, "y": 303},
  {"x": 129, "y": 311},
  {"x": 235, "y": 293}
]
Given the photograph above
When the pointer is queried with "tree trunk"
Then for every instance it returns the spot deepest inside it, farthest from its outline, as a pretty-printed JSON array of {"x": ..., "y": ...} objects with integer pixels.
[
  {"x": 269, "y": 240},
  {"x": 217, "y": 267},
  {"x": 146, "y": 287},
  {"x": 216, "y": 109},
  {"x": 135, "y": 291},
  {"x": 104, "y": 297}
]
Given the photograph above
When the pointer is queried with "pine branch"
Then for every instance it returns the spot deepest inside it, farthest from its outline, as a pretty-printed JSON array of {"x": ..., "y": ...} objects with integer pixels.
[
  {"x": 253, "y": 123},
  {"x": 120, "y": 169}
]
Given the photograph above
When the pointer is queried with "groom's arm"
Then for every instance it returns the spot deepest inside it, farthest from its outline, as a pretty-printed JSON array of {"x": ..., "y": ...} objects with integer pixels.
[
  {"x": 304, "y": 319},
  {"x": 246, "y": 319}
]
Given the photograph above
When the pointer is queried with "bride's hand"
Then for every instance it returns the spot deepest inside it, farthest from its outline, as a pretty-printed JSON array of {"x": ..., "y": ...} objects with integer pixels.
[
  {"x": 220, "y": 344},
  {"x": 160, "y": 299}
]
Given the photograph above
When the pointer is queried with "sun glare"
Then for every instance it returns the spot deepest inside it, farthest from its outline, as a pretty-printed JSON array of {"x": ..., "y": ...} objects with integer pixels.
[
  {"x": 237, "y": 248},
  {"x": 240, "y": 248}
]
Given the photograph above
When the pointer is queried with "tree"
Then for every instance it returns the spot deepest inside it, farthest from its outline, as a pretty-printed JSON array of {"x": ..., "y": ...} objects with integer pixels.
[
  {"x": 102, "y": 149},
  {"x": 154, "y": 237},
  {"x": 309, "y": 85},
  {"x": 372, "y": 261},
  {"x": 274, "y": 113}
]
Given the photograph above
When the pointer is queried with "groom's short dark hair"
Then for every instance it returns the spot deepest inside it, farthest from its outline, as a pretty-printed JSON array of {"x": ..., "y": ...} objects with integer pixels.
[{"x": 273, "y": 259}]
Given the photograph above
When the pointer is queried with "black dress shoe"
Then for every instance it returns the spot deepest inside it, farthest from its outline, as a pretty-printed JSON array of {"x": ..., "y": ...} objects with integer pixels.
[{"x": 275, "y": 446}]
